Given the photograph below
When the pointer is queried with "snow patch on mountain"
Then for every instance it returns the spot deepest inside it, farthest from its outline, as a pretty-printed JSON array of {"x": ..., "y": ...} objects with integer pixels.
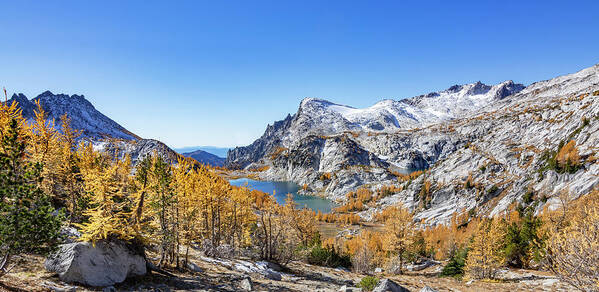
[{"x": 391, "y": 115}]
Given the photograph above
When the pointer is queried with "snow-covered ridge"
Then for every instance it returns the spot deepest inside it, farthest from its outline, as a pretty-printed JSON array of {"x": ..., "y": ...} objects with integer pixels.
[
  {"x": 320, "y": 117},
  {"x": 389, "y": 115}
]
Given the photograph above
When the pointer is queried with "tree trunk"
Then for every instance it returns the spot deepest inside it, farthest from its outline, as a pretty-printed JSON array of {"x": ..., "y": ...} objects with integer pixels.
[
  {"x": 187, "y": 255},
  {"x": 4, "y": 263},
  {"x": 400, "y": 264}
]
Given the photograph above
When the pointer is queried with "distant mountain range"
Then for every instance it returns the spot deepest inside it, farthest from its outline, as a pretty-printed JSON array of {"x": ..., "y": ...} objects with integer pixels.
[
  {"x": 218, "y": 151},
  {"x": 205, "y": 158}
]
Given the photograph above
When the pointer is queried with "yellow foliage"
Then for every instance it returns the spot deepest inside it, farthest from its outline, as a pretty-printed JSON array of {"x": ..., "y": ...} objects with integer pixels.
[
  {"x": 573, "y": 241},
  {"x": 325, "y": 176},
  {"x": 373, "y": 241},
  {"x": 444, "y": 239},
  {"x": 260, "y": 169},
  {"x": 277, "y": 152},
  {"x": 568, "y": 155},
  {"x": 303, "y": 221},
  {"x": 400, "y": 230},
  {"x": 345, "y": 219},
  {"x": 485, "y": 252},
  {"x": 355, "y": 201},
  {"x": 107, "y": 184},
  {"x": 406, "y": 177}
]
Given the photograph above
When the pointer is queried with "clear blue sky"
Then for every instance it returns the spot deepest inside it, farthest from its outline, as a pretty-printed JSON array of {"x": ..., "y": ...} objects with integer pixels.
[{"x": 217, "y": 72}]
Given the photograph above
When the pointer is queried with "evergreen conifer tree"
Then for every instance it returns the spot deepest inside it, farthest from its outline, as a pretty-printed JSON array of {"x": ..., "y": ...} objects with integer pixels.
[{"x": 28, "y": 222}]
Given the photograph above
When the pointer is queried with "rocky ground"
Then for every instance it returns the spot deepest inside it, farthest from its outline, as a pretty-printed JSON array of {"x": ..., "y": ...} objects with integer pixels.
[{"x": 208, "y": 274}]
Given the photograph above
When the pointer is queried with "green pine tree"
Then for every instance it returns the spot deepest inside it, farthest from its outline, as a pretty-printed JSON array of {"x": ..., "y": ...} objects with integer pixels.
[{"x": 28, "y": 222}]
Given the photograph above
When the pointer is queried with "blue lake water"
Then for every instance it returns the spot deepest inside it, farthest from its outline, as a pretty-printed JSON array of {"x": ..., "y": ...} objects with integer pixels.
[{"x": 281, "y": 189}]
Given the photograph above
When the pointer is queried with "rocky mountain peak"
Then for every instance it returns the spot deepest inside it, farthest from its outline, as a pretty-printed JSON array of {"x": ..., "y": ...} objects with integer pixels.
[
  {"x": 20, "y": 98},
  {"x": 84, "y": 116},
  {"x": 46, "y": 93}
]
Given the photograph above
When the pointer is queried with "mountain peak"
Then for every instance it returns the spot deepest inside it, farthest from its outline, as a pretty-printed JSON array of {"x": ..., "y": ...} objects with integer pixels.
[
  {"x": 20, "y": 98},
  {"x": 314, "y": 101},
  {"x": 83, "y": 115},
  {"x": 45, "y": 93}
]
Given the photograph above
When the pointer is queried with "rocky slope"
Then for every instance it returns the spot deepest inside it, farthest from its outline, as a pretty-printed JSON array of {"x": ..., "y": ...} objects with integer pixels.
[
  {"x": 205, "y": 158},
  {"x": 103, "y": 132},
  {"x": 500, "y": 143}
]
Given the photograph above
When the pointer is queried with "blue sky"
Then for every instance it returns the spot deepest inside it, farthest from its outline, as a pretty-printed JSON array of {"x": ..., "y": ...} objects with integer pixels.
[{"x": 217, "y": 72}]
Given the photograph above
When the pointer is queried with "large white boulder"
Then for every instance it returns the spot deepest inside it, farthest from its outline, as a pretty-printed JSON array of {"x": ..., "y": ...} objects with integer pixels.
[{"x": 99, "y": 265}]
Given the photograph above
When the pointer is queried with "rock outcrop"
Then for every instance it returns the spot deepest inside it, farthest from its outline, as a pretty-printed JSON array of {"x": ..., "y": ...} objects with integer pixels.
[
  {"x": 99, "y": 265},
  {"x": 241, "y": 157},
  {"x": 387, "y": 285}
]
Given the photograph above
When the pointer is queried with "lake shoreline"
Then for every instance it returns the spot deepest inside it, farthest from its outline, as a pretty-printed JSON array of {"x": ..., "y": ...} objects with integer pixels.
[{"x": 280, "y": 190}]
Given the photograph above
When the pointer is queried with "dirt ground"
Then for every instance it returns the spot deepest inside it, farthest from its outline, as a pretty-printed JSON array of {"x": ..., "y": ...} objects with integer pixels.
[{"x": 30, "y": 275}]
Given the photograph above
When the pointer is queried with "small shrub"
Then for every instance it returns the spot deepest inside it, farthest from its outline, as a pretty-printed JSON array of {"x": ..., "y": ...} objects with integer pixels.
[
  {"x": 472, "y": 213},
  {"x": 469, "y": 182},
  {"x": 368, "y": 283},
  {"x": 527, "y": 198},
  {"x": 493, "y": 189},
  {"x": 325, "y": 176},
  {"x": 328, "y": 257},
  {"x": 568, "y": 158},
  {"x": 585, "y": 122}
]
